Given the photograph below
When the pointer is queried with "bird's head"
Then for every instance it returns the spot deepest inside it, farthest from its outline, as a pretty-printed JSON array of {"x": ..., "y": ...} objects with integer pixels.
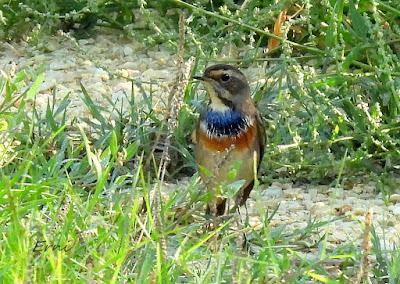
[{"x": 227, "y": 87}]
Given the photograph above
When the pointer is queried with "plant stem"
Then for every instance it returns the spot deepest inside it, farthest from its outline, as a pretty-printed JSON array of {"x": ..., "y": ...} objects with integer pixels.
[{"x": 249, "y": 27}]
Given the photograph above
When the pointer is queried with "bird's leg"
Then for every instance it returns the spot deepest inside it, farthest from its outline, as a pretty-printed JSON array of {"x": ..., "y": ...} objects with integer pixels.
[
  {"x": 247, "y": 214},
  {"x": 242, "y": 239},
  {"x": 216, "y": 208}
]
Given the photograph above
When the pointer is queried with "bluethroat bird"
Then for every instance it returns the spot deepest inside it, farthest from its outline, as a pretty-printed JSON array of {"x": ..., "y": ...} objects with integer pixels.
[{"x": 230, "y": 136}]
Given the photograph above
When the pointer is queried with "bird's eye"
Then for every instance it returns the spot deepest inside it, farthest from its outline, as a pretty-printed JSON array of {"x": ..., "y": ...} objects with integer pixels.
[{"x": 225, "y": 77}]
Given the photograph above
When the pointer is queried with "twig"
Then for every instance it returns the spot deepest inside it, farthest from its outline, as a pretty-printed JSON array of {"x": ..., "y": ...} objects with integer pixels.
[
  {"x": 388, "y": 8},
  {"x": 171, "y": 119},
  {"x": 366, "y": 248}
]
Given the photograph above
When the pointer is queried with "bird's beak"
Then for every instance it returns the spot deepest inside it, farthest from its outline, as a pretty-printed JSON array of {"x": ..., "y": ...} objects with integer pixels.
[{"x": 200, "y": 78}]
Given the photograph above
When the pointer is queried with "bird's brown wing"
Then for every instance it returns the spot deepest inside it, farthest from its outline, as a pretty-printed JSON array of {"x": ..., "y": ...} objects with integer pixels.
[
  {"x": 261, "y": 142},
  {"x": 261, "y": 138}
]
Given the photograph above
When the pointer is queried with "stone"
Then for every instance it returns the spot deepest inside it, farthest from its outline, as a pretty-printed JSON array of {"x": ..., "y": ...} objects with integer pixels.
[
  {"x": 343, "y": 209},
  {"x": 293, "y": 193},
  {"x": 395, "y": 198},
  {"x": 273, "y": 192},
  {"x": 359, "y": 211},
  {"x": 395, "y": 209},
  {"x": 320, "y": 209},
  {"x": 63, "y": 64},
  {"x": 128, "y": 51},
  {"x": 151, "y": 74},
  {"x": 102, "y": 74},
  {"x": 337, "y": 192}
]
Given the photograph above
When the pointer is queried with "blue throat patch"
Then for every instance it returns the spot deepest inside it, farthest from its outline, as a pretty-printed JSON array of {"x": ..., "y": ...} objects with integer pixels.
[{"x": 230, "y": 123}]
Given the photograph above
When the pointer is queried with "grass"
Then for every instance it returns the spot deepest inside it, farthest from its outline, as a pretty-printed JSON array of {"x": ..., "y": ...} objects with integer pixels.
[{"x": 80, "y": 199}]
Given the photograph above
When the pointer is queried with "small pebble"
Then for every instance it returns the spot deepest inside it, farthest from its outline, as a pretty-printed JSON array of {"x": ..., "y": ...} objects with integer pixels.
[
  {"x": 359, "y": 211},
  {"x": 336, "y": 192},
  {"x": 273, "y": 192},
  {"x": 341, "y": 210},
  {"x": 395, "y": 209},
  {"x": 128, "y": 51},
  {"x": 395, "y": 198},
  {"x": 293, "y": 193}
]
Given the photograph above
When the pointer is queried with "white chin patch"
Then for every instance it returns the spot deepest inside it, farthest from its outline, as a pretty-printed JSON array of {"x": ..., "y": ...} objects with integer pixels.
[{"x": 216, "y": 103}]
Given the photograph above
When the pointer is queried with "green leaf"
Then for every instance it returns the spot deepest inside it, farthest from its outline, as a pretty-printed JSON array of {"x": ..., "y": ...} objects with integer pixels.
[
  {"x": 34, "y": 89},
  {"x": 20, "y": 76},
  {"x": 320, "y": 278},
  {"x": 232, "y": 173},
  {"x": 352, "y": 56},
  {"x": 50, "y": 117},
  {"x": 205, "y": 171},
  {"x": 330, "y": 80},
  {"x": 114, "y": 144},
  {"x": 94, "y": 109},
  {"x": 357, "y": 21},
  {"x": 233, "y": 188},
  {"x": 3, "y": 125},
  {"x": 132, "y": 149},
  {"x": 146, "y": 264},
  {"x": 336, "y": 20}
]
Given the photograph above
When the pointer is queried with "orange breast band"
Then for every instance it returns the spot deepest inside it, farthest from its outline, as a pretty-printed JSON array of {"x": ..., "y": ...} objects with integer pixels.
[{"x": 241, "y": 141}]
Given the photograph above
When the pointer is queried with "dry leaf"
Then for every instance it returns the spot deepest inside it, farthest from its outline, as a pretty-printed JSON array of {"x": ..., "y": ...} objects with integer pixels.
[{"x": 272, "y": 42}]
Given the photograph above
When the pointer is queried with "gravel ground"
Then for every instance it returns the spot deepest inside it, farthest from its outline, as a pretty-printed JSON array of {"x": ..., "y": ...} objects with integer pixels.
[
  {"x": 103, "y": 65},
  {"x": 299, "y": 205},
  {"x": 99, "y": 63}
]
